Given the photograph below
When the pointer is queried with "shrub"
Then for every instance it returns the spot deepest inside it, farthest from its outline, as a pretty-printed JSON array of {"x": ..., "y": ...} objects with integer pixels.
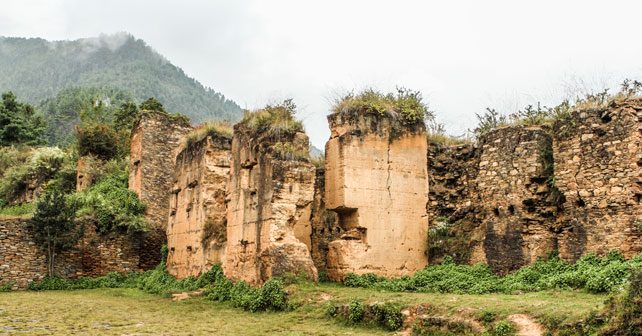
[
  {"x": 113, "y": 205},
  {"x": 356, "y": 311},
  {"x": 591, "y": 273},
  {"x": 99, "y": 140},
  {"x": 503, "y": 328},
  {"x": 388, "y": 315},
  {"x": 274, "y": 121},
  {"x": 17, "y": 210},
  {"x": 36, "y": 165}
]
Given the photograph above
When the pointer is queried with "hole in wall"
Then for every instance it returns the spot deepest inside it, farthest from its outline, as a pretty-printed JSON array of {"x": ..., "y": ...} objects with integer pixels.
[
  {"x": 606, "y": 118},
  {"x": 496, "y": 212},
  {"x": 580, "y": 203},
  {"x": 511, "y": 209}
]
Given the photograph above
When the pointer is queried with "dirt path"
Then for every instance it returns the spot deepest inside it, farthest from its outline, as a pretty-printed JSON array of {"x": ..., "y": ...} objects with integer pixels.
[{"x": 526, "y": 325}]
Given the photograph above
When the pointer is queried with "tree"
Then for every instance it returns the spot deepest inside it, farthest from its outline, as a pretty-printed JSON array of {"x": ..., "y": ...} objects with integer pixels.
[
  {"x": 54, "y": 225},
  {"x": 100, "y": 140},
  {"x": 151, "y": 104},
  {"x": 19, "y": 123},
  {"x": 125, "y": 116}
]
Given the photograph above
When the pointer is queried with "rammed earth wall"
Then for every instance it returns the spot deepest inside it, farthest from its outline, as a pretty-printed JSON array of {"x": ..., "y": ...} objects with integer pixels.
[{"x": 196, "y": 231}]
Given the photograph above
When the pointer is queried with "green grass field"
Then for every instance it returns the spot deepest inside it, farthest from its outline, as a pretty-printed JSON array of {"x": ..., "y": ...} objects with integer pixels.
[{"x": 132, "y": 312}]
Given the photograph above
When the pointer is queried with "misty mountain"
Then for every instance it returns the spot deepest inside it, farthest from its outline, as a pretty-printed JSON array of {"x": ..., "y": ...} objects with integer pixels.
[{"x": 37, "y": 70}]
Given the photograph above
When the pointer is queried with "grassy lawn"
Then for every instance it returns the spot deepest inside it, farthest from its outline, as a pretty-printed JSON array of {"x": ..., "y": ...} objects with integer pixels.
[{"x": 132, "y": 312}]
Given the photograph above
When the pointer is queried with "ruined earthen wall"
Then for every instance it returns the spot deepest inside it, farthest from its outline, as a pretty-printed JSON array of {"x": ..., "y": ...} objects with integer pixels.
[
  {"x": 325, "y": 225},
  {"x": 268, "y": 198},
  {"x": 598, "y": 168},
  {"x": 23, "y": 261},
  {"x": 196, "y": 231},
  {"x": 154, "y": 144},
  {"x": 376, "y": 181}
]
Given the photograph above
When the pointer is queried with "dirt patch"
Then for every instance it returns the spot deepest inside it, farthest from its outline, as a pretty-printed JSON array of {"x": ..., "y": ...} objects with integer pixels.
[{"x": 526, "y": 325}]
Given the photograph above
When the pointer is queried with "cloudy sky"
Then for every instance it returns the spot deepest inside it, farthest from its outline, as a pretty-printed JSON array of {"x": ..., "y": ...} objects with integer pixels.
[{"x": 462, "y": 55}]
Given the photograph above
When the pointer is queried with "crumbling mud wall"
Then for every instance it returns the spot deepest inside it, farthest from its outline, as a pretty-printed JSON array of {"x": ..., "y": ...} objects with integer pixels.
[
  {"x": 598, "y": 168},
  {"x": 377, "y": 183},
  {"x": 515, "y": 195},
  {"x": 154, "y": 144},
  {"x": 22, "y": 260},
  {"x": 325, "y": 225},
  {"x": 269, "y": 197},
  {"x": 196, "y": 230}
]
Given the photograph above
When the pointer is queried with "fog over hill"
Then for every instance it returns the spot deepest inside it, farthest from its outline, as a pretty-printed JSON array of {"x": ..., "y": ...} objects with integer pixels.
[{"x": 37, "y": 69}]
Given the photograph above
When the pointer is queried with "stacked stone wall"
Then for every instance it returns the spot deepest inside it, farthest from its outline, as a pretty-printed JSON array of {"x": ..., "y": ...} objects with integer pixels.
[
  {"x": 598, "y": 168},
  {"x": 22, "y": 260},
  {"x": 154, "y": 145},
  {"x": 325, "y": 225}
]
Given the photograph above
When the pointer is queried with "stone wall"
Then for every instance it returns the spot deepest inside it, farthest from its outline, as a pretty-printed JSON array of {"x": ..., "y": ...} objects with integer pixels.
[
  {"x": 514, "y": 195},
  {"x": 598, "y": 168},
  {"x": 196, "y": 231},
  {"x": 154, "y": 145},
  {"x": 377, "y": 183},
  {"x": 270, "y": 200},
  {"x": 23, "y": 261},
  {"x": 452, "y": 208}
]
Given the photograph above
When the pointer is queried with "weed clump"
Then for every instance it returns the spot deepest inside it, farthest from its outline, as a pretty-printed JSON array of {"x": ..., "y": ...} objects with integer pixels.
[
  {"x": 212, "y": 129},
  {"x": 590, "y": 273},
  {"x": 405, "y": 105}
]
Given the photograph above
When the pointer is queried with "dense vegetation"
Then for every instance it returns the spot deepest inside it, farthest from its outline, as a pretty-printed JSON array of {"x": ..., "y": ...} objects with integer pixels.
[
  {"x": 19, "y": 122},
  {"x": 591, "y": 273},
  {"x": 37, "y": 70}
]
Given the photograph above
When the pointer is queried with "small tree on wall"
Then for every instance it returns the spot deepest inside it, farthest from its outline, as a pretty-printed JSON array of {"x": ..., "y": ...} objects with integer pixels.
[{"x": 54, "y": 226}]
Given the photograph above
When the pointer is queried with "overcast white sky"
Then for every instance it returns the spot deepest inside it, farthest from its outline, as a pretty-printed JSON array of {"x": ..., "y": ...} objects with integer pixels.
[{"x": 463, "y": 55}]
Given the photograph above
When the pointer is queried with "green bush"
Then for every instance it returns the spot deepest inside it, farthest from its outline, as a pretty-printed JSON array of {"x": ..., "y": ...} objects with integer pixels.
[
  {"x": 113, "y": 204},
  {"x": 356, "y": 311},
  {"x": 591, "y": 273},
  {"x": 17, "y": 210},
  {"x": 99, "y": 140},
  {"x": 34, "y": 165},
  {"x": 274, "y": 121},
  {"x": 503, "y": 328},
  {"x": 388, "y": 315}
]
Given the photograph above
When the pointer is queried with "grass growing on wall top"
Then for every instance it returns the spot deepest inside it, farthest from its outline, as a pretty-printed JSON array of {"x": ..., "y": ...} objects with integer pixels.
[
  {"x": 404, "y": 104},
  {"x": 212, "y": 128},
  {"x": 275, "y": 121}
]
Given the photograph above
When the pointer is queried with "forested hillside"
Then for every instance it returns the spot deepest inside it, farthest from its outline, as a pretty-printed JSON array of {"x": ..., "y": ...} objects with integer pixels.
[{"x": 37, "y": 70}]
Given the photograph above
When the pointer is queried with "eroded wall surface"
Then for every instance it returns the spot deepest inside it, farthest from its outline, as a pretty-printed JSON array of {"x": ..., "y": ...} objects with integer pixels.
[
  {"x": 269, "y": 205},
  {"x": 377, "y": 183},
  {"x": 196, "y": 230},
  {"x": 154, "y": 145},
  {"x": 325, "y": 225},
  {"x": 598, "y": 168}
]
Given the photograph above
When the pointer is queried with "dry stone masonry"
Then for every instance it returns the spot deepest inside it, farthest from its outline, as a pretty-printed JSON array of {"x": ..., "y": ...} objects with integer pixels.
[
  {"x": 154, "y": 145},
  {"x": 196, "y": 232},
  {"x": 377, "y": 182},
  {"x": 598, "y": 168},
  {"x": 22, "y": 260}
]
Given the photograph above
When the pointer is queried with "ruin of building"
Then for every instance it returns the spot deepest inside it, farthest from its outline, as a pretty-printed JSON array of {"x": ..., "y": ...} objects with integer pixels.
[
  {"x": 196, "y": 230},
  {"x": 376, "y": 181},
  {"x": 155, "y": 140},
  {"x": 271, "y": 190}
]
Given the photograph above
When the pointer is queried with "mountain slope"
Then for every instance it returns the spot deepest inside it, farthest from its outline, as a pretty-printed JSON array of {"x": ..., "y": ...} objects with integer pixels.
[{"x": 36, "y": 69}]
